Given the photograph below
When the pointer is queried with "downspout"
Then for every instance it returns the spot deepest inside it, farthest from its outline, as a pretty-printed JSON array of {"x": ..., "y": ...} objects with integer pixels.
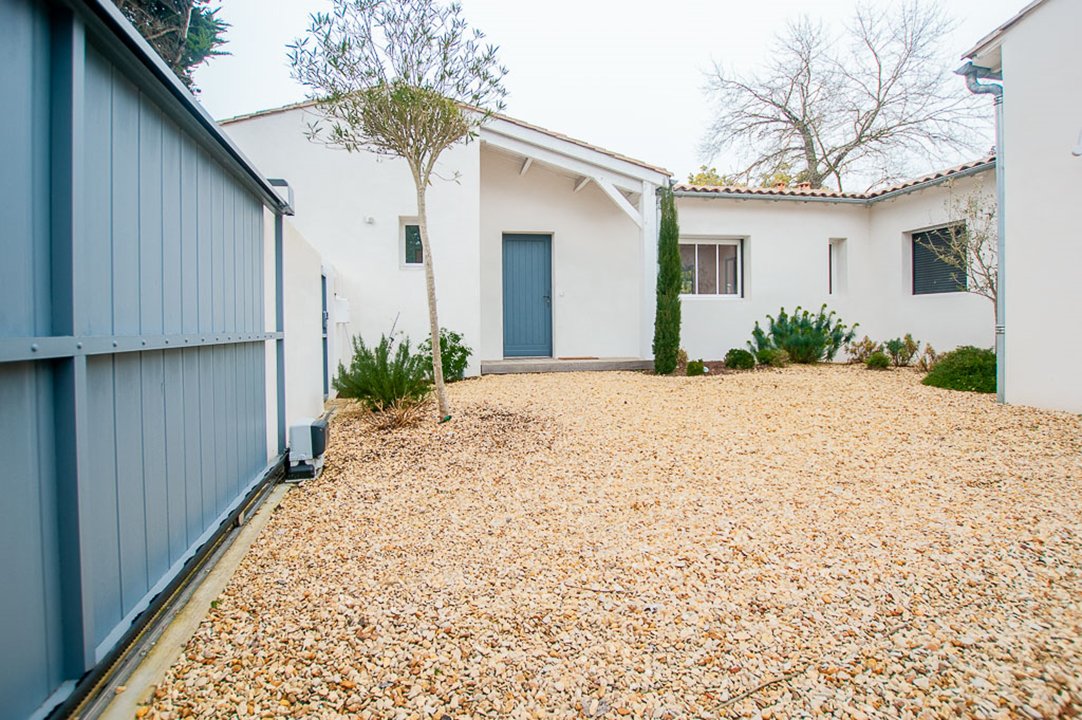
[{"x": 973, "y": 75}]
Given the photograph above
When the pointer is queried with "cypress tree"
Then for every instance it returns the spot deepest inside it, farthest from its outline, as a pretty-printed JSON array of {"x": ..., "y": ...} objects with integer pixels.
[{"x": 667, "y": 317}]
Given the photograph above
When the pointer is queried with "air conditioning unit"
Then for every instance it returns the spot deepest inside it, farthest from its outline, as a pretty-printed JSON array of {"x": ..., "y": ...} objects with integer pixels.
[{"x": 307, "y": 443}]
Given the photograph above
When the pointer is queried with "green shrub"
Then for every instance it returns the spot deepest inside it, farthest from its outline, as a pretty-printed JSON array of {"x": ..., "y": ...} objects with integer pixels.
[
  {"x": 380, "y": 380},
  {"x": 774, "y": 357},
  {"x": 967, "y": 368},
  {"x": 454, "y": 355},
  {"x": 807, "y": 337},
  {"x": 902, "y": 350},
  {"x": 878, "y": 360},
  {"x": 696, "y": 368},
  {"x": 737, "y": 359},
  {"x": 860, "y": 350},
  {"x": 669, "y": 281}
]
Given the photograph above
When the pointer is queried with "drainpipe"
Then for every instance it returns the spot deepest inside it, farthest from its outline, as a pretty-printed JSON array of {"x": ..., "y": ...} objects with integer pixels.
[{"x": 973, "y": 75}]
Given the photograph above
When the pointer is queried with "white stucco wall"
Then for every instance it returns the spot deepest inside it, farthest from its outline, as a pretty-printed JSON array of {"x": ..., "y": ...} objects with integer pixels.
[
  {"x": 1043, "y": 119},
  {"x": 336, "y": 191},
  {"x": 786, "y": 264},
  {"x": 882, "y": 284},
  {"x": 596, "y": 258},
  {"x": 301, "y": 268}
]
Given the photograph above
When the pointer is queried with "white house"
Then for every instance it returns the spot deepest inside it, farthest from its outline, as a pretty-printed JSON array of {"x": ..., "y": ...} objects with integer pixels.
[
  {"x": 546, "y": 246},
  {"x": 1042, "y": 149}
]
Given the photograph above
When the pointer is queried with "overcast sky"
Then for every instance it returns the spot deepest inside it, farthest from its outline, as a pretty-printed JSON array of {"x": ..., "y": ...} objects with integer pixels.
[{"x": 625, "y": 75}]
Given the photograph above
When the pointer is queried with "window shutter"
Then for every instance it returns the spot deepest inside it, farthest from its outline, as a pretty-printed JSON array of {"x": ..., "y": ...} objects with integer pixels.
[{"x": 930, "y": 274}]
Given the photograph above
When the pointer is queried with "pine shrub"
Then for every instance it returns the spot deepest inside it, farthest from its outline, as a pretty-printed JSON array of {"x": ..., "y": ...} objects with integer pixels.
[
  {"x": 454, "y": 355},
  {"x": 967, "y": 368},
  {"x": 739, "y": 359},
  {"x": 807, "y": 337},
  {"x": 667, "y": 317},
  {"x": 381, "y": 380}
]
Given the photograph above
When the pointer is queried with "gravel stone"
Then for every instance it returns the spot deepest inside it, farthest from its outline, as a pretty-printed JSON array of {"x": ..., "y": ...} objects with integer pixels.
[{"x": 817, "y": 541}]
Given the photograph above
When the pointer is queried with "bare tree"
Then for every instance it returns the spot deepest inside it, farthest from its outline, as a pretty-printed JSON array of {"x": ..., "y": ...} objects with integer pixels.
[
  {"x": 860, "y": 104},
  {"x": 401, "y": 78},
  {"x": 971, "y": 245}
]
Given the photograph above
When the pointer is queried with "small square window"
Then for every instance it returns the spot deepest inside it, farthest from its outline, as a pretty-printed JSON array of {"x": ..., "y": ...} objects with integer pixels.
[
  {"x": 414, "y": 250},
  {"x": 711, "y": 267}
]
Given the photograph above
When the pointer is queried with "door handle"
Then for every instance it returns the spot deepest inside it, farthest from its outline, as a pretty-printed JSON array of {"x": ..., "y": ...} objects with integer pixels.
[{"x": 548, "y": 299}]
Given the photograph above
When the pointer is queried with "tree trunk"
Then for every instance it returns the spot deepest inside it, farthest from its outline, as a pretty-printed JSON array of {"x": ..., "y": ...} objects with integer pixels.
[{"x": 433, "y": 317}]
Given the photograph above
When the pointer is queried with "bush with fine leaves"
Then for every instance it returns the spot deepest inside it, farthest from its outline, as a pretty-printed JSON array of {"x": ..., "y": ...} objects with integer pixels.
[
  {"x": 454, "y": 354},
  {"x": 807, "y": 337},
  {"x": 967, "y": 368},
  {"x": 380, "y": 379},
  {"x": 878, "y": 360},
  {"x": 737, "y": 359}
]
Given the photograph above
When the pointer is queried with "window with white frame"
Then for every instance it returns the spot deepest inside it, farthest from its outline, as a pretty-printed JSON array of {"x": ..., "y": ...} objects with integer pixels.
[
  {"x": 712, "y": 267},
  {"x": 410, "y": 238}
]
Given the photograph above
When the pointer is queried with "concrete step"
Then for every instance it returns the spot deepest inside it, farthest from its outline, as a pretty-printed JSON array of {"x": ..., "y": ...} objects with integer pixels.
[{"x": 510, "y": 366}]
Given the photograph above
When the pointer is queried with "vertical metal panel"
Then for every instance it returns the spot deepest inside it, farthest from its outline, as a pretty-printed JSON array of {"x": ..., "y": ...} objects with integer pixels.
[
  {"x": 131, "y": 494},
  {"x": 103, "y": 532},
  {"x": 193, "y": 445},
  {"x": 172, "y": 230},
  {"x": 116, "y": 223},
  {"x": 175, "y": 454},
  {"x": 149, "y": 192},
  {"x": 189, "y": 236},
  {"x": 29, "y": 665},
  {"x": 24, "y": 172},
  {"x": 95, "y": 255},
  {"x": 155, "y": 491}
]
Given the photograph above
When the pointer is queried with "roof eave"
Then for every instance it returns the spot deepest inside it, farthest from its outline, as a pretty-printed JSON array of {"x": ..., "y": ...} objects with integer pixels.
[{"x": 992, "y": 40}]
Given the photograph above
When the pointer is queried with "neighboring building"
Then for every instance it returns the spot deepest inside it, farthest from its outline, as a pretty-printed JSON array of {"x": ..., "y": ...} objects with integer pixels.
[
  {"x": 1042, "y": 142},
  {"x": 546, "y": 246}
]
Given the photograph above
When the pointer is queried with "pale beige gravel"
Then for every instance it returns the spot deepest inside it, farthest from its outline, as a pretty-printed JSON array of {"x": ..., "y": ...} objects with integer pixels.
[{"x": 823, "y": 541}]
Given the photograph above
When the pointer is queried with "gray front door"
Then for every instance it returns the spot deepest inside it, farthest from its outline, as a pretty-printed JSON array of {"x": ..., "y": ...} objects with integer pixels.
[{"x": 527, "y": 295}]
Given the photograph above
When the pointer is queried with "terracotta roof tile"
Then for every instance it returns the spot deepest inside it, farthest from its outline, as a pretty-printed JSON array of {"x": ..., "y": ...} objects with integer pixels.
[{"x": 827, "y": 193}]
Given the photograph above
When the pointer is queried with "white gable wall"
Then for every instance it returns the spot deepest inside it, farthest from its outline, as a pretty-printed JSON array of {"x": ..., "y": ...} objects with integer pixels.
[{"x": 596, "y": 257}]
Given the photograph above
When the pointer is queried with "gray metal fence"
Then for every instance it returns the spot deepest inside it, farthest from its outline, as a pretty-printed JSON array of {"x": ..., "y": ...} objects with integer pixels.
[{"x": 132, "y": 339}]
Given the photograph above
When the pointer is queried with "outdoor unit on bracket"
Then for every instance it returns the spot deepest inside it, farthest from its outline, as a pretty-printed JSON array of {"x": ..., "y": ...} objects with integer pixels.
[{"x": 307, "y": 443}]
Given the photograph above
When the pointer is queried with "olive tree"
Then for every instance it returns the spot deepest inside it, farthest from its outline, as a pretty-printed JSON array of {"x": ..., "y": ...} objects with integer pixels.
[{"x": 400, "y": 78}]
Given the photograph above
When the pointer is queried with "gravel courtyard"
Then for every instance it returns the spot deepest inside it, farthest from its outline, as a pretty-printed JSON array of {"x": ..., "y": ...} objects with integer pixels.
[{"x": 823, "y": 541}]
